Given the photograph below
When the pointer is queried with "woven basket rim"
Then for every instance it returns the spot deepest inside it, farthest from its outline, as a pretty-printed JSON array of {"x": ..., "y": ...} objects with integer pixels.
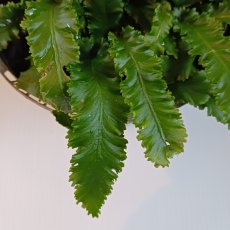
[{"x": 11, "y": 79}]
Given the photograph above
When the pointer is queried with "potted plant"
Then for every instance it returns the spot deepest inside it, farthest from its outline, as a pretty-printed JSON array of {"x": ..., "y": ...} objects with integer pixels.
[{"x": 98, "y": 64}]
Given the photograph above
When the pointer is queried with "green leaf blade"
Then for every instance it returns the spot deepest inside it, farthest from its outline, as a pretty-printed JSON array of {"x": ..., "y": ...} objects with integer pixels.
[
  {"x": 52, "y": 46},
  {"x": 10, "y": 17},
  {"x": 161, "y": 24},
  {"x": 205, "y": 37},
  {"x": 98, "y": 125},
  {"x": 196, "y": 90},
  {"x": 154, "y": 113},
  {"x": 62, "y": 118},
  {"x": 214, "y": 110},
  {"x": 103, "y": 15}
]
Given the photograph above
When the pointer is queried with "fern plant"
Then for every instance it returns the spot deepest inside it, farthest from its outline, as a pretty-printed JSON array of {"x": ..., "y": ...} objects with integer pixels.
[{"x": 99, "y": 63}]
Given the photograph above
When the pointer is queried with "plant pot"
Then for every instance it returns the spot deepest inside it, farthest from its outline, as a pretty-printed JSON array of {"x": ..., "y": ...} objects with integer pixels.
[{"x": 13, "y": 61}]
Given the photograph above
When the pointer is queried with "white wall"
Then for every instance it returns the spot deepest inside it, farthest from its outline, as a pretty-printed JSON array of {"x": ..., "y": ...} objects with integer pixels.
[{"x": 192, "y": 194}]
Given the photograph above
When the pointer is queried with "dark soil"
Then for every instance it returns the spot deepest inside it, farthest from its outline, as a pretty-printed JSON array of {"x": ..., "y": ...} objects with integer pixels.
[
  {"x": 15, "y": 56},
  {"x": 5, "y": 1}
]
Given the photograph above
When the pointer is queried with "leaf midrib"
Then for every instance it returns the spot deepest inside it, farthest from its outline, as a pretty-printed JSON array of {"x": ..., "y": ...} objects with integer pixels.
[
  {"x": 227, "y": 16},
  {"x": 100, "y": 129},
  {"x": 55, "y": 48},
  {"x": 148, "y": 100},
  {"x": 161, "y": 26}
]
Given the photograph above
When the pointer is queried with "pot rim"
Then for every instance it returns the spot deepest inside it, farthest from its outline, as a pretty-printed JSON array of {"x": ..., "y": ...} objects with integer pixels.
[{"x": 11, "y": 79}]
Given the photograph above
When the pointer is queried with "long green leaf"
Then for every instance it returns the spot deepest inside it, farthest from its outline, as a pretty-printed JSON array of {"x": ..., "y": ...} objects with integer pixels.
[
  {"x": 52, "y": 46},
  {"x": 205, "y": 37},
  {"x": 97, "y": 131},
  {"x": 161, "y": 24},
  {"x": 10, "y": 18},
  {"x": 154, "y": 113}
]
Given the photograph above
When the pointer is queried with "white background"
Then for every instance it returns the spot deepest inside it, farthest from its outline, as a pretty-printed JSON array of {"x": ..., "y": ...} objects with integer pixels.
[{"x": 192, "y": 194}]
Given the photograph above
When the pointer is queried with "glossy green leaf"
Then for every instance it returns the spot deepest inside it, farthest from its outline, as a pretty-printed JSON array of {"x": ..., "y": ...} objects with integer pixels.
[
  {"x": 195, "y": 90},
  {"x": 160, "y": 127},
  {"x": 103, "y": 15},
  {"x": 205, "y": 37},
  {"x": 99, "y": 118},
  {"x": 162, "y": 54},
  {"x": 10, "y": 18},
  {"x": 214, "y": 110},
  {"x": 52, "y": 46}
]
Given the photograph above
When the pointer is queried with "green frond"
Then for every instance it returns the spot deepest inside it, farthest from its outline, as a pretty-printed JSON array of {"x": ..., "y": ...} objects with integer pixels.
[
  {"x": 102, "y": 15},
  {"x": 98, "y": 63},
  {"x": 10, "y": 18},
  {"x": 205, "y": 38},
  {"x": 154, "y": 113},
  {"x": 178, "y": 69},
  {"x": 52, "y": 45},
  {"x": 80, "y": 15},
  {"x": 161, "y": 24},
  {"x": 214, "y": 110},
  {"x": 195, "y": 90},
  {"x": 99, "y": 118}
]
